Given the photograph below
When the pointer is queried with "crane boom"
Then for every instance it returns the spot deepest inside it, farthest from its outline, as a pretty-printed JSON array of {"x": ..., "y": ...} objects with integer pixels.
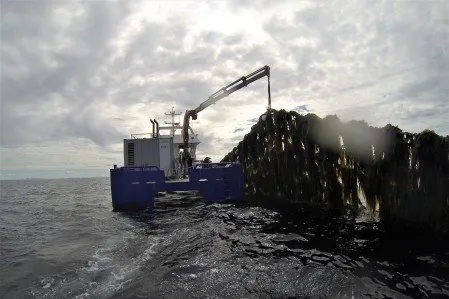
[{"x": 224, "y": 92}]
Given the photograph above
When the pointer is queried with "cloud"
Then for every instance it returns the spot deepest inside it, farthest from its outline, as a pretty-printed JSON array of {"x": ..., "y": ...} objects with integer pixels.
[
  {"x": 302, "y": 108},
  {"x": 91, "y": 73},
  {"x": 59, "y": 48}
]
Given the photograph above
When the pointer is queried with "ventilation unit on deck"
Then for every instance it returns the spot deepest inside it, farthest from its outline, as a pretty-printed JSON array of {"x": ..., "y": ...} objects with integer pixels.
[{"x": 130, "y": 156}]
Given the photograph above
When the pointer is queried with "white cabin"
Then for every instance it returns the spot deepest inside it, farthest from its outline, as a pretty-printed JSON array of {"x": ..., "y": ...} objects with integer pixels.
[{"x": 161, "y": 150}]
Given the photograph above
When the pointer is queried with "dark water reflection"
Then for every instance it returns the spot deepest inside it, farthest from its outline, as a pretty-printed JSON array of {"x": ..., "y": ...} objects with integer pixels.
[
  {"x": 264, "y": 251},
  {"x": 61, "y": 240}
]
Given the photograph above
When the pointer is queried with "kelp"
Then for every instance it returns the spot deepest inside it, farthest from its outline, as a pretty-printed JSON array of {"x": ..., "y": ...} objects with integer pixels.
[{"x": 328, "y": 162}]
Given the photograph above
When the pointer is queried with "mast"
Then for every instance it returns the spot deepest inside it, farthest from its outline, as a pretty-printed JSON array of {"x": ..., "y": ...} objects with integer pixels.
[{"x": 172, "y": 113}]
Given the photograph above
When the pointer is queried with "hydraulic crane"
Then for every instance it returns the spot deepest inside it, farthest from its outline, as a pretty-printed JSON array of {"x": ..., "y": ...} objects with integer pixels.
[
  {"x": 154, "y": 166},
  {"x": 224, "y": 92}
]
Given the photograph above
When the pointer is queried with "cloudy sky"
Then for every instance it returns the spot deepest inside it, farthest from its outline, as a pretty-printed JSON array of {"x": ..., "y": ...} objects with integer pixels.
[{"x": 79, "y": 76}]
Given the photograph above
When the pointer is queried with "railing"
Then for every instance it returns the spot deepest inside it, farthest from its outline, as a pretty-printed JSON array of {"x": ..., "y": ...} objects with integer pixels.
[{"x": 138, "y": 168}]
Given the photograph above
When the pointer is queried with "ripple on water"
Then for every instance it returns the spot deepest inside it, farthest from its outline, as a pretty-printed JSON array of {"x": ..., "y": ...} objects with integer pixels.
[{"x": 186, "y": 248}]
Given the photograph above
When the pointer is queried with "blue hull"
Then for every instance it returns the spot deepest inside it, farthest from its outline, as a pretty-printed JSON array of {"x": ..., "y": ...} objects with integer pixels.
[{"x": 135, "y": 187}]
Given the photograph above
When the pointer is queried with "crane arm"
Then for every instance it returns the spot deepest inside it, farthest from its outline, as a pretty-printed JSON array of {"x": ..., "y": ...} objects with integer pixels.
[{"x": 224, "y": 92}]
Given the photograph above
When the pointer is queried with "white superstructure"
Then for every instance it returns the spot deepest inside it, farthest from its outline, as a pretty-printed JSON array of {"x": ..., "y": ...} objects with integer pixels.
[{"x": 162, "y": 150}]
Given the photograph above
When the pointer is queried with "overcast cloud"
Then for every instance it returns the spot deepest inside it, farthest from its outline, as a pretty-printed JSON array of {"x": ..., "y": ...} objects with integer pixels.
[{"x": 78, "y": 77}]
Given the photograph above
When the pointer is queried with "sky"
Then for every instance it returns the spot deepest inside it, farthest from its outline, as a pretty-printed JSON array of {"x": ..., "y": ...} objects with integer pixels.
[{"x": 79, "y": 76}]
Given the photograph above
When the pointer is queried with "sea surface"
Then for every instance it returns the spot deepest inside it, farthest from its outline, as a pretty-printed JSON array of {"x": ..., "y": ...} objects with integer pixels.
[{"x": 60, "y": 239}]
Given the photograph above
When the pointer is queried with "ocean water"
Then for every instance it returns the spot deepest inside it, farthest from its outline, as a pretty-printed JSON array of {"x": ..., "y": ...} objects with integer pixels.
[{"x": 60, "y": 239}]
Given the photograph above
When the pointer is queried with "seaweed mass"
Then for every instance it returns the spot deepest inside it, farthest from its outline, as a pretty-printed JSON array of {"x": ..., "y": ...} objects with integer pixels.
[{"x": 327, "y": 162}]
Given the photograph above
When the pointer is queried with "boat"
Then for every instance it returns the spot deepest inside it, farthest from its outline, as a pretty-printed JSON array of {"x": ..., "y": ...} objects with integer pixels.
[{"x": 155, "y": 162}]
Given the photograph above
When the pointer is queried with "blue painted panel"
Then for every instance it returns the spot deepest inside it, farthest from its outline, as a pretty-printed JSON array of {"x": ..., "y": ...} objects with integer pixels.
[
  {"x": 135, "y": 186},
  {"x": 218, "y": 181}
]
